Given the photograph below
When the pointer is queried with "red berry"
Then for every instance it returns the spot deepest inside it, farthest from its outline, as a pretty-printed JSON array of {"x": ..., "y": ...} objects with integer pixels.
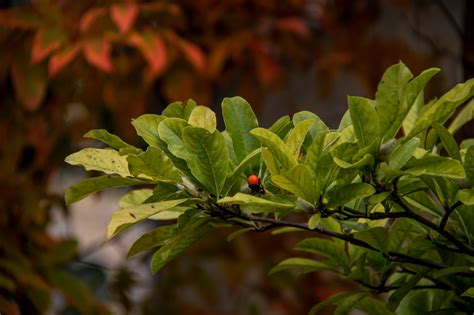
[{"x": 253, "y": 180}]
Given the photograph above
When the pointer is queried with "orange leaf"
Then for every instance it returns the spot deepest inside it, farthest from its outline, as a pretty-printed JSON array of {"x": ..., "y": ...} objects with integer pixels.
[
  {"x": 29, "y": 81},
  {"x": 97, "y": 53},
  {"x": 153, "y": 50},
  {"x": 124, "y": 15},
  {"x": 294, "y": 25},
  {"x": 44, "y": 43},
  {"x": 62, "y": 58},
  {"x": 193, "y": 53},
  {"x": 90, "y": 17}
]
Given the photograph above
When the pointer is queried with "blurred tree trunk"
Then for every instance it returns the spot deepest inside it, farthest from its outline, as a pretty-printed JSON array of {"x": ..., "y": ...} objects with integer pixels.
[{"x": 468, "y": 41}]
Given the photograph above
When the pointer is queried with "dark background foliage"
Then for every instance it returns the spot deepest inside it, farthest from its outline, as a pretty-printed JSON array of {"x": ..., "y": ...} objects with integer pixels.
[{"x": 70, "y": 66}]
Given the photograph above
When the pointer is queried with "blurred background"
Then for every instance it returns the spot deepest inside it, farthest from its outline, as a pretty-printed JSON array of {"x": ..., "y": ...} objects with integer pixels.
[{"x": 70, "y": 66}]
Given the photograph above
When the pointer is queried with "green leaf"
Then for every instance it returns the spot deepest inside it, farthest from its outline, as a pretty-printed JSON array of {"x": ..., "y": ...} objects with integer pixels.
[
  {"x": 109, "y": 139},
  {"x": 444, "y": 107},
  {"x": 314, "y": 221},
  {"x": 203, "y": 117},
  {"x": 179, "y": 110},
  {"x": 299, "y": 181},
  {"x": 469, "y": 164},
  {"x": 153, "y": 164},
  {"x": 286, "y": 229},
  {"x": 466, "y": 196},
  {"x": 377, "y": 237},
  {"x": 318, "y": 125},
  {"x": 435, "y": 166},
  {"x": 308, "y": 265},
  {"x": 238, "y": 233},
  {"x": 340, "y": 195},
  {"x": 88, "y": 186},
  {"x": 462, "y": 118},
  {"x": 411, "y": 94},
  {"x": 366, "y": 160},
  {"x": 413, "y": 114},
  {"x": 270, "y": 162},
  {"x": 315, "y": 151},
  {"x": 469, "y": 292},
  {"x": 448, "y": 141},
  {"x": 152, "y": 239},
  {"x": 450, "y": 271},
  {"x": 124, "y": 218},
  {"x": 349, "y": 303},
  {"x": 75, "y": 291},
  {"x": 402, "y": 154},
  {"x": 324, "y": 247},
  {"x": 209, "y": 157},
  {"x": 397, "y": 296},
  {"x": 373, "y": 306},
  {"x": 239, "y": 120},
  {"x": 189, "y": 230},
  {"x": 107, "y": 161},
  {"x": 389, "y": 96},
  {"x": 333, "y": 299},
  {"x": 280, "y": 151},
  {"x": 238, "y": 171},
  {"x": 365, "y": 121},
  {"x": 135, "y": 197},
  {"x": 250, "y": 200},
  {"x": 281, "y": 126},
  {"x": 147, "y": 128},
  {"x": 170, "y": 131},
  {"x": 297, "y": 136}
]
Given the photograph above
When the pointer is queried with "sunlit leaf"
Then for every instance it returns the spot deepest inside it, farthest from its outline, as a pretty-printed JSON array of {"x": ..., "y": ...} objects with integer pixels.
[
  {"x": 299, "y": 181},
  {"x": 250, "y": 200},
  {"x": 435, "y": 166},
  {"x": 277, "y": 147},
  {"x": 314, "y": 220},
  {"x": 203, "y": 117},
  {"x": 126, "y": 217},
  {"x": 297, "y": 136},
  {"x": 462, "y": 118},
  {"x": 402, "y": 154},
  {"x": 153, "y": 164},
  {"x": 208, "y": 157},
  {"x": 449, "y": 143},
  {"x": 109, "y": 139},
  {"x": 179, "y": 110},
  {"x": 365, "y": 120},
  {"x": 104, "y": 160},
  {"x": 444, "y": 107},
  {"x": 239, "y": 120},
  {"x": 147, "y": 127}
]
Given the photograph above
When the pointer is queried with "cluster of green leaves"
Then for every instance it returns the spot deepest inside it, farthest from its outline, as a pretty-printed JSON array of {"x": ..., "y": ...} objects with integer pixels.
[{"x": 389, "y": 193}]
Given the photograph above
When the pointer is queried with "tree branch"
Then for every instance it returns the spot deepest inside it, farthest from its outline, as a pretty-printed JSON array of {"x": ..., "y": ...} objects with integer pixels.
[
  {"x": 446, "y": 215},
  {"x": 391, "y": 256}
]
